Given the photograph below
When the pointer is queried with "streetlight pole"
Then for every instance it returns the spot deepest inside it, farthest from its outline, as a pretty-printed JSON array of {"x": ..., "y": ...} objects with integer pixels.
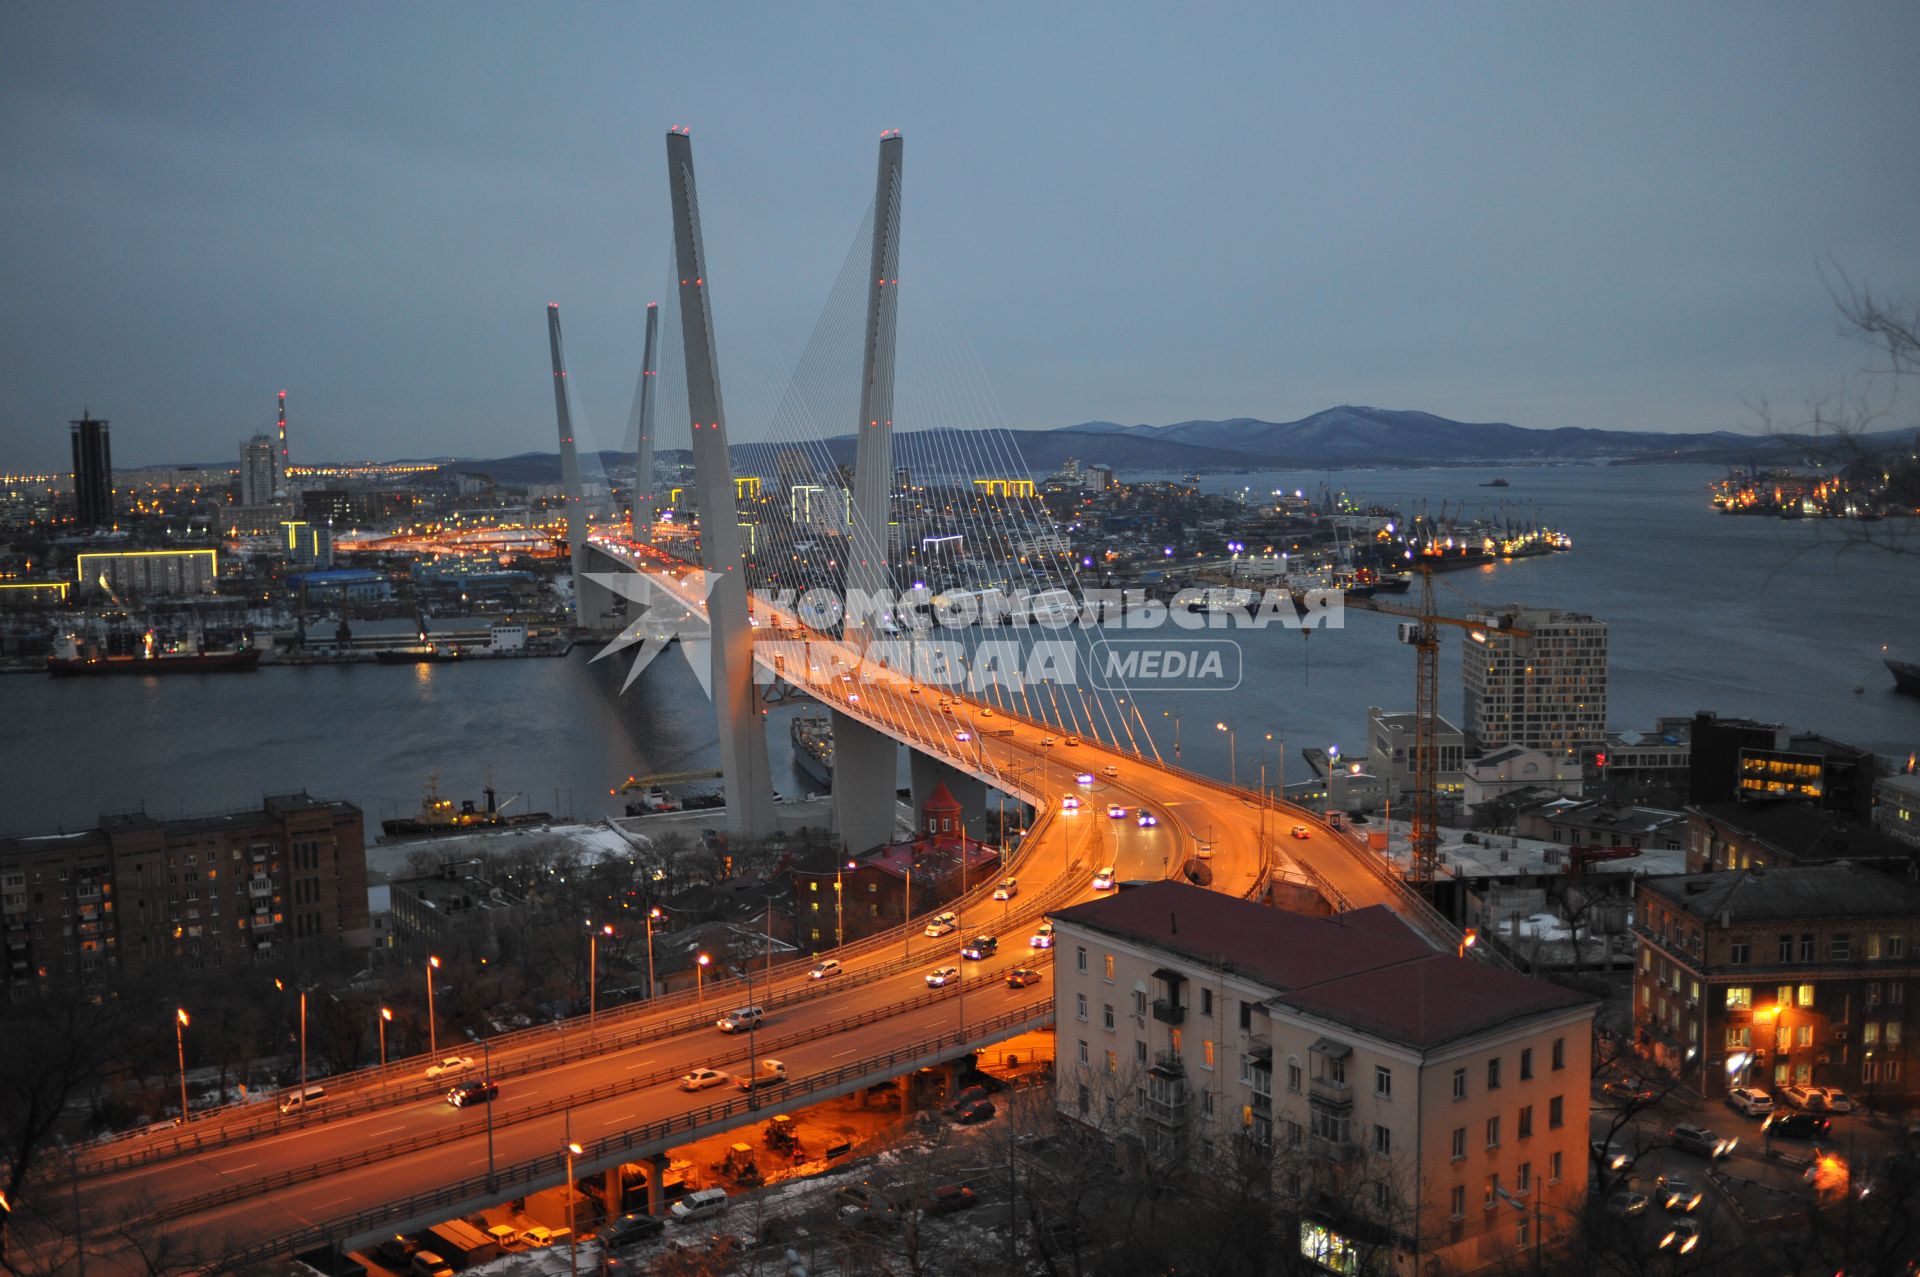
[
  {"x": 180, "y": 1023},
  {"x": 653, "y": 915},
  {"x": 1233, "y": 766},
  {"x": 906, "y": 915},
  {"x": 1167, "y": 713},
  {"x": 573, "y": 1242},
  {"x": 839, "y": 899},
  {"x": 386, "y": 1015},
  {"x": 700, "y": 981},
  {"x": 1280, "y": 764},
  {"x": 433, "y": 1036},
  {"x": 303, "y": 1030},
  {"x": 593, "y": 967}
]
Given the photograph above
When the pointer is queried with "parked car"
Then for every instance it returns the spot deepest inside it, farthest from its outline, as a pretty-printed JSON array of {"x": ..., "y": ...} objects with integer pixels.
[
  {"x": 947, "y": 1199},
  {"x": 1701, "y": 1141},
  {"x": 1021, "y": 977},
  {"x": 632, "y": 1228},
  {"x": 1625, "y": 1204},
  {"x": 1678, "y": 1196},
  {"x": 862, "y": 1201},
  {"x": 1627, "y": 1090},
  {"x": 824, "y": 968},
  {"x": 396, "y": 1250},
  {"x": 427, "y": 1264},
  {"x": 1750, "y": 1100},
  {"x": 477, "y": 1091},
  {"x": 965, "y": 1096},
  {"x": 944, "y": 924},
  {"x": 704, "y": 1204},
  {"x": 1103, "y": 879},
  {"x": 1798, "y": 1126},
  {"x": 1042, "y": 938},
  {"x": 980, "y": 948},
  {"x": 1836, "y": 1100},
  {"x": 978, "y": 1111},
  {"x": 940, "y": 977},
  {"x": 1807, "y": 1099},
  {"x": 701, "y": 1079},
  {"x": 1682, "y": 1237},
  {"x": 1612, "y": 1156},
  {"x": 449, "y": 1064},
  {"x": 1007, "y": 890}
]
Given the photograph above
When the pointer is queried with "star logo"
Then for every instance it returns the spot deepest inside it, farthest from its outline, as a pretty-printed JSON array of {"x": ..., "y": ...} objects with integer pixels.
[{"x": 663, "y": 615}]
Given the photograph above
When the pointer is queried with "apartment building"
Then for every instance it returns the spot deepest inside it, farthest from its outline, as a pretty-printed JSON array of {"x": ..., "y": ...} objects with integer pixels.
[
  {"x": 1413, "y": 1106},
  {"x": 1543, "y": 689},
  {"x": 1393, "y": 755},
  {"x": 139, "y": 896},
  {"x": 1776, "y": 976}
]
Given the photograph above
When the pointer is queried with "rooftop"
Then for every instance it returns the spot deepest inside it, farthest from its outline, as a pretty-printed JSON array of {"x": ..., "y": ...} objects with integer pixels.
[
  {"x": 1365, "y": 969},
  {"x": 1802, "y": 832},
  {"x": 1804, "y": 891}
]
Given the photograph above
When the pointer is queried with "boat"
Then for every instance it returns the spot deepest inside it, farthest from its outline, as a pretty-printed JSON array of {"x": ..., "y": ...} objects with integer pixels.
[
  {"x": 73, "y": 657},
  {"x": 418, "y": 654},
  {"x": 1496, "y": 483},
  {"x": 438, "y": 816},
  {"x": 812, "y": 738},
  {"x": 1906, "y": 676}
]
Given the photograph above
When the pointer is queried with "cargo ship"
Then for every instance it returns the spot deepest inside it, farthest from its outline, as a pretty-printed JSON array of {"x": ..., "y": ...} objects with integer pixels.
[
  {"x": 439, "y": 816},
  {"x": 1906, "y": 676},
  {"x": 418, "y": 654},
  {"x": 812, "y": 739},
  {"x": 71, "y": 657}
]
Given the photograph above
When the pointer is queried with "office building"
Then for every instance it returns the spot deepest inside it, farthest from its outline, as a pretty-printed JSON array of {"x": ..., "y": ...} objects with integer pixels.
[
  {"x": 1409, "y": 1103},
  {"x": 1774, "y": 977},
  {"x": 92, "y": 473},
  {"x": 1545, "y": 689},
  {"x": 139, "y": 896},
  {"x": 1392, "y": 756},
  {"x": 1896, "y": 808},
  {"x": 259, "y": 471}
]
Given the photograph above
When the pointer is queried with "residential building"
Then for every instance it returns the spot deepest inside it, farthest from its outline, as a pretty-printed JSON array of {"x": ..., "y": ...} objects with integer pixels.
[
  {"x": 1597, "y": 824},
  {"x": 1392, "y": 756},
  {"x": 1414, "y": 1106},
  {"x": 1756, "y": 835},
  {"x": 92, "y": 473},
  {"x": 1545, "y": 689},
  {"x": 1771, "y": 976},
  {"x": 1896, "y": 808},
  {"x": 1764, "y": 762},
  {"x": 148, "y": 573},
  {"x": 139, "y": 896},
  {"x": 454, "y": 903},
  {"x": 259, "y": 471}
]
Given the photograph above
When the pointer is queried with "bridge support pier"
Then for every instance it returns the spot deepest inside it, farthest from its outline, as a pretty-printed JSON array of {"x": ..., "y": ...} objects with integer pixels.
[
  {"x": 657, "y": 1184},
  {"x": 866, "y": 763}
]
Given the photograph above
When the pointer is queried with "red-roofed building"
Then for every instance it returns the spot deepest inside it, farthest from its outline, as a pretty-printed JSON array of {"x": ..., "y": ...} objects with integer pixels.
[{"x": 1414, "y": 1105}]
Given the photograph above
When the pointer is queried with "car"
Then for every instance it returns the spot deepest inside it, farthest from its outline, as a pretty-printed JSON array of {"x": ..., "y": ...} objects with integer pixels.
[
  {"x": 1047, "y": 742},
  {"x": 1625, "y": 1204},
  {"x": 1147, "y": 820},
  {"x": 632, "y": 1228},
  {"x": 478, "y": 1091},
  {"x": 449, "y": 1064},
  {"x": 1301, "y": 831},
  {"x": 427, "y": 1264},
  {"x": 1103, "y": 879},
  {"x": 1110, "y": 771},
  {"x": 1678, "y": 1196},
  {"x": 946, "y": 707},
  {"x": 740, "y": 1018},
  {"x": 1797, "y": 1126},
  {"x": 963, "y": 736},
  {"x": 943, "y": 925},
  {"x": 1611, "y": 1156},
  {"x": 1805, "y": 1098},
  {"x": 1836, "y": 1100},
  {"x": 980, "y": 948},
  {"x": 1750, "y": 1100},
  {"x": 396, "y": 1250},
  {"x": 947, "y": 1199},
  {"x": 1084, "y": 778},
  {"x": 1043, "y": 938},
  {"x": 701, "y": 1205},
  {"x": 986, "y": 711},
  {"x": 1007, "y": 890},
  {"x": 701, "y": 1079},
  {"x": 1626, "y": 1090},
  {"x": 824, "y": 968},
  {"x": 1682, "y": 1237},
  {"x": 863, "y": 1204},
  {"x": 1700, "y": 1140},
  {"x": 1071, "y": 741},
  {"x": 1021, "y": 977},
  {"x": 1070, "y": 803},
  {"x": 980, "y": 1110},
  {"x": 1116, "y": 812},
  {"x": 940, "y": 977}
]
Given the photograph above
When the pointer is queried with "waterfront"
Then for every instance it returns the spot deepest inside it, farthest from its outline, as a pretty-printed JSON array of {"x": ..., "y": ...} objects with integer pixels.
[{"x": 1773, "y": 619}]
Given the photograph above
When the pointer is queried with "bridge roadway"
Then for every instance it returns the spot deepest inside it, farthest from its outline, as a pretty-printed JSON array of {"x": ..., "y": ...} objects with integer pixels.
[{"x": 387, "y": 1136}]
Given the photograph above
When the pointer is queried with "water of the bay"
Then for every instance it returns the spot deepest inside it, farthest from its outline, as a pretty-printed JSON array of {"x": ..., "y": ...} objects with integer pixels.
[{"x": 1757, "y": 617}]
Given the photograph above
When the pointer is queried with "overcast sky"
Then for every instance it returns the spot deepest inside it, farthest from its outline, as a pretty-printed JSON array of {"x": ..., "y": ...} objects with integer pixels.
[{"x": 1614, "y": 216}]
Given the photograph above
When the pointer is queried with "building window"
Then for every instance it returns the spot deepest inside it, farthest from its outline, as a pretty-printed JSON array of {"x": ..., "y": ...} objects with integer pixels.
[
  {"x": 1896, "y": 946},
  {"x": 1080, "y": 1005},
  {"x": 1329, "y": 1125},
  {"x": 1805, "y": 995},
  {"x": 1740, "y": 998},
  {"x": 1140, "y": 1002},
  {"x": 1383, "y": 1082},
  {"x": 1086, "y": 1098},
  {"x": 1109, "y": 968},
  {"x": 1556, "y": 1112},
  {"x": 1493, "y": 1074},
  {"x": 1737, "y": 953},
  {"x": 1493, "y": 1132},
  {"x": 1458, "y": 1201},
  {"x": 1459, "y": 1142},
  {"x": 1140, "y": 1051},
  {"x": 1293, "y": 1076},
  {"x": 1083, "y": 1054},
  {"x": 1840, "y": 948},
  {"x": 1742, "y": 1036},
  {"x": 1459, "y": 1084},
  {"x": 1873, "y": 993},
  {"x": 1493, "y": 1191},
  {"x": 1873, "y": 947},
  {"x": 1526, "y": 1063},
  {"x": 1080, "y": 958},
  {"x": 1526, "y": 1121},
  {"x": 1524, "y": 1180},
  {"x": 1206, "y": 1002},
  {"x": 1553, "y": 1168},
  {"x": 1246, "y": 1016},
  {"x": 1896, "y": 993},
  {"x": 1107, "y": 1016},
  {"x": 1381, "y": 1198},
  {"x": 1206, "y": 1053},
  {"x": 1806, "y": 948},
  {"x": 1382, "y": 1141},
  {"x": 1113, "y": 1065}
]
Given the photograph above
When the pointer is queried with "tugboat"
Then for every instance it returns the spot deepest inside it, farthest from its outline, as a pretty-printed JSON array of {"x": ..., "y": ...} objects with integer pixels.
[
  {"x": 423, "y": 652},
  {"x": 1496, "y": 483},
  {"x": 71, "y": 656},
  {"x": 439, "y": 817}
]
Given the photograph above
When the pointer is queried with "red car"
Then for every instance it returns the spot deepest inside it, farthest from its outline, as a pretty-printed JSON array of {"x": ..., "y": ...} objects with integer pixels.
[
  {"x": 1021, "y": 977},
  {"x": 947, "y": 1199}
]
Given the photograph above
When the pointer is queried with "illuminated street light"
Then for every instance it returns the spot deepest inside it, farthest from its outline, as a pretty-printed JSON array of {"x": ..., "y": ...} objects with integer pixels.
[
  {"x": 593, "y": 964},
  {"x": 180, "y": 1044},
  {"x": 386, "y": 1018},
  {"x": 653, "y": 915},
  {"x": 573, "y": 1246},
  {"x": 1233, "y": 767},
  {"x": 700, "y": 980},
  {"x": 433, "y": 1037},
  {"x": 303, "y": 1030},
  {"x": 1467, "y": 940}
]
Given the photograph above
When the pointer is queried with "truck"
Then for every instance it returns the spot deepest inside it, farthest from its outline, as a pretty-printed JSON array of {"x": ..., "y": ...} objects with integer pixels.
[
  {"x": 460, "y": 1243},
  {"x": 771, "y": 1073}
]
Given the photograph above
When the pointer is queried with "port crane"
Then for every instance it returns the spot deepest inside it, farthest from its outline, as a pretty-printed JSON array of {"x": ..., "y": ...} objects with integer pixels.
[
  {"x": 1420, "y": 631},
  {"x": 665, "y": 778}
]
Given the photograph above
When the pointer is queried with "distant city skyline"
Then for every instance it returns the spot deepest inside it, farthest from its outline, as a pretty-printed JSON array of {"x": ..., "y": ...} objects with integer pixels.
[{"x": 1620, "y": 220}]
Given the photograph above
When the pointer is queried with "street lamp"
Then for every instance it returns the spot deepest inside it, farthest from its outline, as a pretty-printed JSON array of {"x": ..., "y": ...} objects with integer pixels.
[
  {"x": 1167, "y": 713},
  {"x": 1233, "y": 769},
  {"x": 573, "y": 1245},
  {"x": 839, "y": 912},
  {"x": 303, "y": 1030},
  {"x": 700, "y": 981},
  {"x": 1333, "y": 757},
  {"x": 593, "y": 966},
  {"x": 653, "y": 915},
  {"x": 1280, "y": 763},
  {"x": 180, "y": 1044},
  {"x": 1468, "y": 939},
  {"x": 386, "y": 1018},
  {"x": 433, "y": 1037}
]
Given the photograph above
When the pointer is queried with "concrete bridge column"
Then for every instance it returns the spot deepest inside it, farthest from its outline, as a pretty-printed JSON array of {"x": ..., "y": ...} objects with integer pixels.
[
  {"x": 657, "y": 1184},
  {"x": 865, "y": 764}
]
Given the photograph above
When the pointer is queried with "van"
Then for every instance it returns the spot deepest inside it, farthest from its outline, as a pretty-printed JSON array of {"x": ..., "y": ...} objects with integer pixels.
[
  {"x": 704, "y": 1204},
  {"x": 427, "y": 1264},
  {"x": 741, "y": 1018},
  {"x": 302, "y": 1100}
]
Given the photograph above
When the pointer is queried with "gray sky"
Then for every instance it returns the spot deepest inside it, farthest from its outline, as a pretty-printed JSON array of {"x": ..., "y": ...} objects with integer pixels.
[{"x": 1616, "y": 215}]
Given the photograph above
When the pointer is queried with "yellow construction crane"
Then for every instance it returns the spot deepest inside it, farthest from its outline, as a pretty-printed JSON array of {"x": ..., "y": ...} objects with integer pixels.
[
  {"x": 1421, "y": 632},
  {"x": 665, "y": 778}
]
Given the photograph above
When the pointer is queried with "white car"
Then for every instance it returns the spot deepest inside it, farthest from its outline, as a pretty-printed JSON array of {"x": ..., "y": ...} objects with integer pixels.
[
  {"x": 1116, "y": 812},
  {"x": 1084, "y": 779},
  {"x": 1071, "y": 740},
  {"x": 944, "y": 925},
  {"x": 1047, "y": 741},
  {"x": 701, "y": 1079},
  {"x": 450, "y": 1064},
  {"x": 963, "y": 736},
  {"x": 1103, "y": 879},
  {"x": 1110, "y": 771},
  {"x": 824, "y": 968},
  {"x": 1750, "y": 1100},
  {"x": 1043, "y": 938},
  {"x": 942, "y": 976},
  {"x": 1838, "y": 1101},
  {"x": 1007, "y": 890},
  {"x": 1070, "y": 803}
]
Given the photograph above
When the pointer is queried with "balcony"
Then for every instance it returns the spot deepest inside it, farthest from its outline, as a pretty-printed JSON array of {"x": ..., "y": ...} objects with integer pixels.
[
  {"x": 1168, "y": 1064},
  {"x": 1168, "y": 1011},
  {"x": 1167, "y": 1101}
]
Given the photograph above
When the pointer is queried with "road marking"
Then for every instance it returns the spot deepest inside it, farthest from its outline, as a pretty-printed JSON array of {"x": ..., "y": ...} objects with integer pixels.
[
  {"x": 249, "y": 1166},
  {"x": 613, "y": 1121},
  {"x": 390, "y": 1130},
  {"x": 641, "y": 1064},
  {"x": 847, "y": 1052}
]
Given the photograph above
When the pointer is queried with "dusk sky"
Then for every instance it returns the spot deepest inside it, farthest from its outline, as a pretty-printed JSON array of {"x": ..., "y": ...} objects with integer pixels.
[{"x": 1620, "y": 215}]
